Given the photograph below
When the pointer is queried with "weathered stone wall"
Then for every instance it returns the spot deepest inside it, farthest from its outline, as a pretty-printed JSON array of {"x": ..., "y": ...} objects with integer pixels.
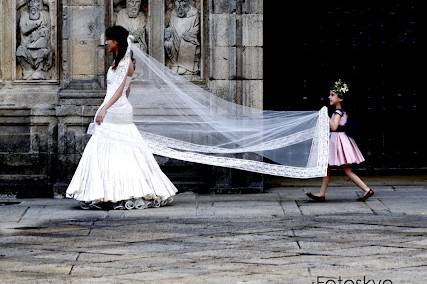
[
  {"x": 44, "y": 116},
  {"x": 236, "y": 68},
  {"x": 236, "y": 49}
]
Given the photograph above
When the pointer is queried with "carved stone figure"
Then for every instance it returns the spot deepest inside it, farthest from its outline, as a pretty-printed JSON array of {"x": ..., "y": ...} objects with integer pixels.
[
  {"x": 34, "y": 53},
  {"x": 181, "y": 39},
  {"x": 134, "y": 20}
]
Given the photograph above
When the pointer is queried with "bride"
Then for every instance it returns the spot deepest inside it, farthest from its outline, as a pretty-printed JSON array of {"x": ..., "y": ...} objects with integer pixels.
[
  {"x": 117, "y": 166},
  {"x": 148, "y": 109}
]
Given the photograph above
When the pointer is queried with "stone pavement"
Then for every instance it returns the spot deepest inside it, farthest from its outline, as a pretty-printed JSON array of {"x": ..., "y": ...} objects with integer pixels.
[{"x": 273, "y": 237}]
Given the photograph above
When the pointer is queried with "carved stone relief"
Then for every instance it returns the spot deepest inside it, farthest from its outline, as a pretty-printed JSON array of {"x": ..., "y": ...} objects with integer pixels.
[
  {"x": 182, "y": 36},
  {"x": 35, "y": 33},
  {"x": 133, "y": 15}
]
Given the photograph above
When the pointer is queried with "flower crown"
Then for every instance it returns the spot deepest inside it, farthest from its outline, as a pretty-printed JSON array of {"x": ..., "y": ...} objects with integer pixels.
[{"x": 340, "y": 88}]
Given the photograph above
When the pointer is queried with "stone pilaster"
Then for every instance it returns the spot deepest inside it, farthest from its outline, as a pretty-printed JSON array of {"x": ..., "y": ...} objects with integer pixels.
[{"x": 236, "y": 66}]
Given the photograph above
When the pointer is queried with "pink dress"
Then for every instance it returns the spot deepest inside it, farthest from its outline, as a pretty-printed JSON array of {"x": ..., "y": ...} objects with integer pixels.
[{"x": 342, "y": 149}]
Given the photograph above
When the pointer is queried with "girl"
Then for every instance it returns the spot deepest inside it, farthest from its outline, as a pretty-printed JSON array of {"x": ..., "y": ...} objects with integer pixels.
[
  {"x": 342, "y": 149},
  {"x": 117, "y": 165}
]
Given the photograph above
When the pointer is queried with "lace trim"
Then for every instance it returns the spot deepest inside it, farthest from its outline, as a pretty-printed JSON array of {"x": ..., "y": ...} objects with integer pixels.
[
  {"x": 116, "y": 77},
  {"x": 269, "y": 145},
  {"x": 319, "y": 170},
  {"x": 323, "y": 153}
]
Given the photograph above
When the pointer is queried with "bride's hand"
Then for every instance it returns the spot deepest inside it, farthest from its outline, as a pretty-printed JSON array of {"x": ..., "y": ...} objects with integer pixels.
[{"x": 100, "y": 116}]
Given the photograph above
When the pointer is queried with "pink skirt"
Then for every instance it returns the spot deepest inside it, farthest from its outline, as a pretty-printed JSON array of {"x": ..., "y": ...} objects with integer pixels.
[{"x": 343, "y": 150}]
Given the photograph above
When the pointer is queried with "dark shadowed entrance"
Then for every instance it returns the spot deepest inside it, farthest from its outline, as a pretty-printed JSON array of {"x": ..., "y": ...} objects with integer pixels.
[{"x": 374, "y": 46}]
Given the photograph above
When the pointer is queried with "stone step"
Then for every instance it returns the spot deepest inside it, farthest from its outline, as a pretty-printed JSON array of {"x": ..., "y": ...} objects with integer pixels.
[{"x": 25, "y": 186}]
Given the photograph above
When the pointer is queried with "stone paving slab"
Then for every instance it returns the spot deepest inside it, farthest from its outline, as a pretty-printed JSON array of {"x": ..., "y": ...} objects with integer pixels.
[{"x": 274, "y": 237}]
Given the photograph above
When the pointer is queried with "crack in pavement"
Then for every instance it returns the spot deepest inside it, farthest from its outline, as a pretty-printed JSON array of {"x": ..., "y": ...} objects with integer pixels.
[{"x": 22, "y": 216}]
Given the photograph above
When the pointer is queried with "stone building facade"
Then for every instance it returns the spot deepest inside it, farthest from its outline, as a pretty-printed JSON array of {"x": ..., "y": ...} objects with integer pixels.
[{"x": 53, "y": 66}]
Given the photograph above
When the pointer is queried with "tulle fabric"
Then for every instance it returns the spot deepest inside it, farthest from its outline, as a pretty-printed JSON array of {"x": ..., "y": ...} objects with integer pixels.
[{"x": 182, "y": 120}]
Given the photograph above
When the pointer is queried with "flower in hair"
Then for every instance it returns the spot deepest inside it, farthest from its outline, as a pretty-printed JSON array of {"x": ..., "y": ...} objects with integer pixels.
[{"x": 340, "y": 87}]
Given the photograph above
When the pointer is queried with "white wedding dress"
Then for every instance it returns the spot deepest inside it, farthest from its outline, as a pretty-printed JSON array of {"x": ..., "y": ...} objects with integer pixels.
[{"x": 117, "y": 165}]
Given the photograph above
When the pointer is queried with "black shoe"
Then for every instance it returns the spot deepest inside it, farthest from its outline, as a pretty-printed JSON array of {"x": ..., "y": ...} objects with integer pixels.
[
  {"x": 315, "y": 198},
  {"x": 366, "y": 196}
]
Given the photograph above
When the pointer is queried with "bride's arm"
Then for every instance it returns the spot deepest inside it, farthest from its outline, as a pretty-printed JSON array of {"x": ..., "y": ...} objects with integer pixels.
[
  {"x": 100, "y": 117},
  {"x": 130, "y": 73}
]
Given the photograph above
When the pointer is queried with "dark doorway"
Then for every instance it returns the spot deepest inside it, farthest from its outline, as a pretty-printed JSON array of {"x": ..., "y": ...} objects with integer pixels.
[{"x": 374, "y": 47}]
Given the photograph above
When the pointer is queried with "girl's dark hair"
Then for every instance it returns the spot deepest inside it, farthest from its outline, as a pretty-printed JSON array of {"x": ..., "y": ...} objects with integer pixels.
[
  {"x": 119, "y": 34},
  {"x": 343, "y": 96}
]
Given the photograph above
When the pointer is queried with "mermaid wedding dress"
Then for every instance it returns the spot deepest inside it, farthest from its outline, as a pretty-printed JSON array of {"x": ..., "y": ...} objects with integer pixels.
[{"x": 117, "y": 165}]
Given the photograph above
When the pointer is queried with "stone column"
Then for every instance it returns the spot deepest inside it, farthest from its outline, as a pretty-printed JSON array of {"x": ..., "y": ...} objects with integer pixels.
[
  {"x": 156, "y": 10},
  {"x": 236, "y": 50},
  {"x": 7, "y": 37},
  {"x": 235, "y": 66},
  {"x": 83, "y": 81},
  {"x": 1, "y": 43}
]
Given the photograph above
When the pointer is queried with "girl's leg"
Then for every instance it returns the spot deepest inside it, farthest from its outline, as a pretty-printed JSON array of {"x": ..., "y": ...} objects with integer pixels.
[
  {"x": 325, "y": 182},
  {"x": 323, "y": 188},
  {"x": 355, "y": 178}
]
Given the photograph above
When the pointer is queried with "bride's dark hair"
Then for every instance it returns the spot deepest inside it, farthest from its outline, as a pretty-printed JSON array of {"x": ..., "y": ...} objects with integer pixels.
[{"x": 119, "y": 34}]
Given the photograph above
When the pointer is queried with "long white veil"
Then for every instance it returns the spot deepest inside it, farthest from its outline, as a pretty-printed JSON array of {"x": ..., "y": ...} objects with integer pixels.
[{"x": 181, "y": 120}]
